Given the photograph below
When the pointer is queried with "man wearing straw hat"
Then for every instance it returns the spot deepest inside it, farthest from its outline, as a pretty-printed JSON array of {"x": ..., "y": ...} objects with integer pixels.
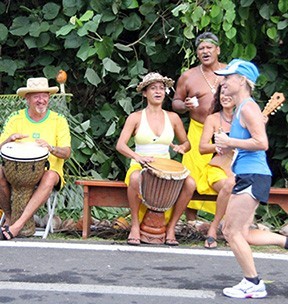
[{"x": 47, "y": 129}]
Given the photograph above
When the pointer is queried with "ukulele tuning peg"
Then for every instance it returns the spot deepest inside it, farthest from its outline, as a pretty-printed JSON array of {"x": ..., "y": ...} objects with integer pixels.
[{"x": 273, "y": 113}]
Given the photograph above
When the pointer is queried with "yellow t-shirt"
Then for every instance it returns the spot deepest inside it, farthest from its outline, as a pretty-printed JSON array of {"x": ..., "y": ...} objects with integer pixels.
[{"x": 53, "y": 128}]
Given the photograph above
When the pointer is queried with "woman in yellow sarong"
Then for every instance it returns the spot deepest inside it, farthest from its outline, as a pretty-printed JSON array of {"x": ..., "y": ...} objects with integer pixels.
[
  {"x": 153, "y": 130},
  {"x": 216, "y": 179}
]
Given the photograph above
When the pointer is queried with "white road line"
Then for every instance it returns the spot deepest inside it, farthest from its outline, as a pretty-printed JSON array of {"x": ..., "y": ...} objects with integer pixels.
[
  {"x": 124, "y": 248},
  {"x": 103, "y": 289}
]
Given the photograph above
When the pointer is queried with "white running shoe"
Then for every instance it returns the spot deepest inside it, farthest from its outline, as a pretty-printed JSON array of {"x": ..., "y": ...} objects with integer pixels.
[{"x": 246, "y": 289}]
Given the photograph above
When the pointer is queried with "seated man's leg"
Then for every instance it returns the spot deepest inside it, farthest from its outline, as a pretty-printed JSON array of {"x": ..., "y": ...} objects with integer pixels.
[
  {"x": 48, "y": 181},
  {"x": 5, "y": 194}
]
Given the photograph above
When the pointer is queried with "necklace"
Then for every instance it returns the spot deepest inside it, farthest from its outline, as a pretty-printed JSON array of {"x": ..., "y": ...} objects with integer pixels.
[
  {"x": 212, "y": 87},
  {"x": 224, "y": 118}
]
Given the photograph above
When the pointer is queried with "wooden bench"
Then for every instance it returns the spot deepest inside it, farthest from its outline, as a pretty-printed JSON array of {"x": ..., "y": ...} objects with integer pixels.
[{"x": 107, "y": 193}]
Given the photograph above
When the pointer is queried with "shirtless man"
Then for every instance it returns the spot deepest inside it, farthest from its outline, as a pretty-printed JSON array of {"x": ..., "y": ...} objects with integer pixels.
[{"x": 202, "y": 83}]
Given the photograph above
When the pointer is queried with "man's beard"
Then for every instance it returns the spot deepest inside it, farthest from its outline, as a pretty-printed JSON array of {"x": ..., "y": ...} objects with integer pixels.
[{"x": 41, "y": 110}]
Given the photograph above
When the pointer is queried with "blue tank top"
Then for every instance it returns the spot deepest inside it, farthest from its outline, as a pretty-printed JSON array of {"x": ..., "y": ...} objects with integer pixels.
[{"x": 247, "y": 162}]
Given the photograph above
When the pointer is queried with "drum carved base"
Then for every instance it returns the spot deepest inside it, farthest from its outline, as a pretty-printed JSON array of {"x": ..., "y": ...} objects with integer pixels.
[
  {"x": 22, "y": 196},
  {"x": 152, "y": 228}
]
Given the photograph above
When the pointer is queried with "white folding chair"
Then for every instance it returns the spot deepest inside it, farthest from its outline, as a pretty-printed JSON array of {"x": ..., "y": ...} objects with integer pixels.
[{"x": 51, "y": 204}]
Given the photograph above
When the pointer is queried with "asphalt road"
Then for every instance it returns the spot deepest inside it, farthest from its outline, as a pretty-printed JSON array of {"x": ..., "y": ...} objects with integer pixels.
[{"x": 92, "y": 272}]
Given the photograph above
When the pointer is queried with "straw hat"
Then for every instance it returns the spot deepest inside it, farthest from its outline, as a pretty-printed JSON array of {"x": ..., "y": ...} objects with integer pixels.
[
  {"x": 37, "y": 85},
  {"x": 154, "y": 77}
]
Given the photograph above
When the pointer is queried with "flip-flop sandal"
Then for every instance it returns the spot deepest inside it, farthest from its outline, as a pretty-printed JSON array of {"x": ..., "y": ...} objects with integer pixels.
[
  {"x": 133, "y": 241},
  {"x": 210, "y": 240},
  {"x": 3, "y": 237},
  {"x": 171, "y": 242}
]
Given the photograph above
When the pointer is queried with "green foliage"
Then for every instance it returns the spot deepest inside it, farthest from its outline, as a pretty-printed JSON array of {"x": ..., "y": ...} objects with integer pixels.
[{"x": 106, "y": 46}]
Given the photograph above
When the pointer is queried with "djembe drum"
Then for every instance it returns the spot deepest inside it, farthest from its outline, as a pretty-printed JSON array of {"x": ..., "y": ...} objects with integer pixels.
[
  {"x": 24, "y": 165},
  {"x": 160, "y": 186}
]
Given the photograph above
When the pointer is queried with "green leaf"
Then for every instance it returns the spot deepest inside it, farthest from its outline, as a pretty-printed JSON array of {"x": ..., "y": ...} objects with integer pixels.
[
  {"x": 250, "y": 51},
  {"x": 136, "y": 68},
  {"x": 84, "y": 126},
  {"x": 215, "y": 11},
  {"x": 226, "y": 26},
  {"x": 272, "y": 33},
  {"x": 104, "y": 48},
  {"x": 37, "y": 28},
  {"x": 65, "y": 30},
  {"x": 20, "y": 26},
  {"x": 8, "y": 66},
  {"x": 205, "y": 21},
  {"x": 265, "y": 11},
  {"x": 86, "y": 51},
  {"x": 150, "y": 47},
  {"x": 238, "y": 51},
  {"x": 107, "y": 112},
  {"x": 73, "y": 41},
  {"x": 2, "y": 8},
  {"x": 182, "y": 8},
  {"x": 50, "y": 10},
  {"x": 111, "y": 129},
  {"x": 71, "y": 7},
  {"x": 132, "y": 22},
  {"x": 230, "y": 16},
  {"x": 283, "y": 6},
  {"x": 3, "y": 32},
  {"x": 114, "y": 30},
  {"x": 92, "y": 77},
  {"x": 246, "y": 3},
  {"x": 43, "y": 41},
  {"x": 89, "y": 26},
  {"x": 126, "y": 104},
  {"x": 282, "y": 25},
  {"x": 130, "y": 4},
  {"x": 45, "y": 60},
  {"x": 111, "y": 66},
  {"x": 231, "y": 33},
  {"x": 30, "y": 42},
  {"x": 188, "y": 32},
  {"x": 87, "y": 16},
  {"x": 50, "y": 71},
  {"x": 244, "y": 13},
  {"x": 197, "y": 14}
]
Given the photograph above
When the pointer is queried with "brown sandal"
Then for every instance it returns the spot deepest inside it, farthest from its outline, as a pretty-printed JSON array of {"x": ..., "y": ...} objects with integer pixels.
[
  {"x": 172, "y": 242},
  {"x": 133, "y": 241}
]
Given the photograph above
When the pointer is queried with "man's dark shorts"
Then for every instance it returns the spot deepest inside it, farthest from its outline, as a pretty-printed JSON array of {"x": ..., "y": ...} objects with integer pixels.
[{"x": 257, "y": 185}]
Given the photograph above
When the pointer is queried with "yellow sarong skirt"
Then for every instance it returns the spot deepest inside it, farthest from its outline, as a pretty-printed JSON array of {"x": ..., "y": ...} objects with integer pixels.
[{"x": 203, "y": 174}]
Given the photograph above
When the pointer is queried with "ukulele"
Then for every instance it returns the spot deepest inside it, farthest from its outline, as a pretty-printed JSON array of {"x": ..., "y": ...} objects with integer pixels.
[{"x": 224, "y": 161}]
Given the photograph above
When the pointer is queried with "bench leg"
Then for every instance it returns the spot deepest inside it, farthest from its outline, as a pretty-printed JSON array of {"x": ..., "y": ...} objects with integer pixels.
[
  {"x": 86, "y": 214},
  {"x": 284, "y": 206}
]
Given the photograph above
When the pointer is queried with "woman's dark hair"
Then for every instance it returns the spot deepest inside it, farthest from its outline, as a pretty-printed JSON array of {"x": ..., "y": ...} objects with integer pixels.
[{"x": 216, "y": 104}]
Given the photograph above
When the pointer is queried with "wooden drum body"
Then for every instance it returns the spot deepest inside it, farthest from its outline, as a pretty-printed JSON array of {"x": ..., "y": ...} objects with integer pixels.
[
  {"x": 160, "y": 186},
  {"x": 24, "y": 165}
]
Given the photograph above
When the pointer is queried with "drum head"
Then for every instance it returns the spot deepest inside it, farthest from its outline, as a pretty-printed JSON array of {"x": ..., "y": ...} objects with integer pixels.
[
  {"x": 168, "y": 168},
  {"x": 23, "y": 151}
]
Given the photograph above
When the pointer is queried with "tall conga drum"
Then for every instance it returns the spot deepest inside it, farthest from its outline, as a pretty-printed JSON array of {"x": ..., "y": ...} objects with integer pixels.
[
  {"x": 24, "y": 164},
  {"x": 160, "y": 186}
]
